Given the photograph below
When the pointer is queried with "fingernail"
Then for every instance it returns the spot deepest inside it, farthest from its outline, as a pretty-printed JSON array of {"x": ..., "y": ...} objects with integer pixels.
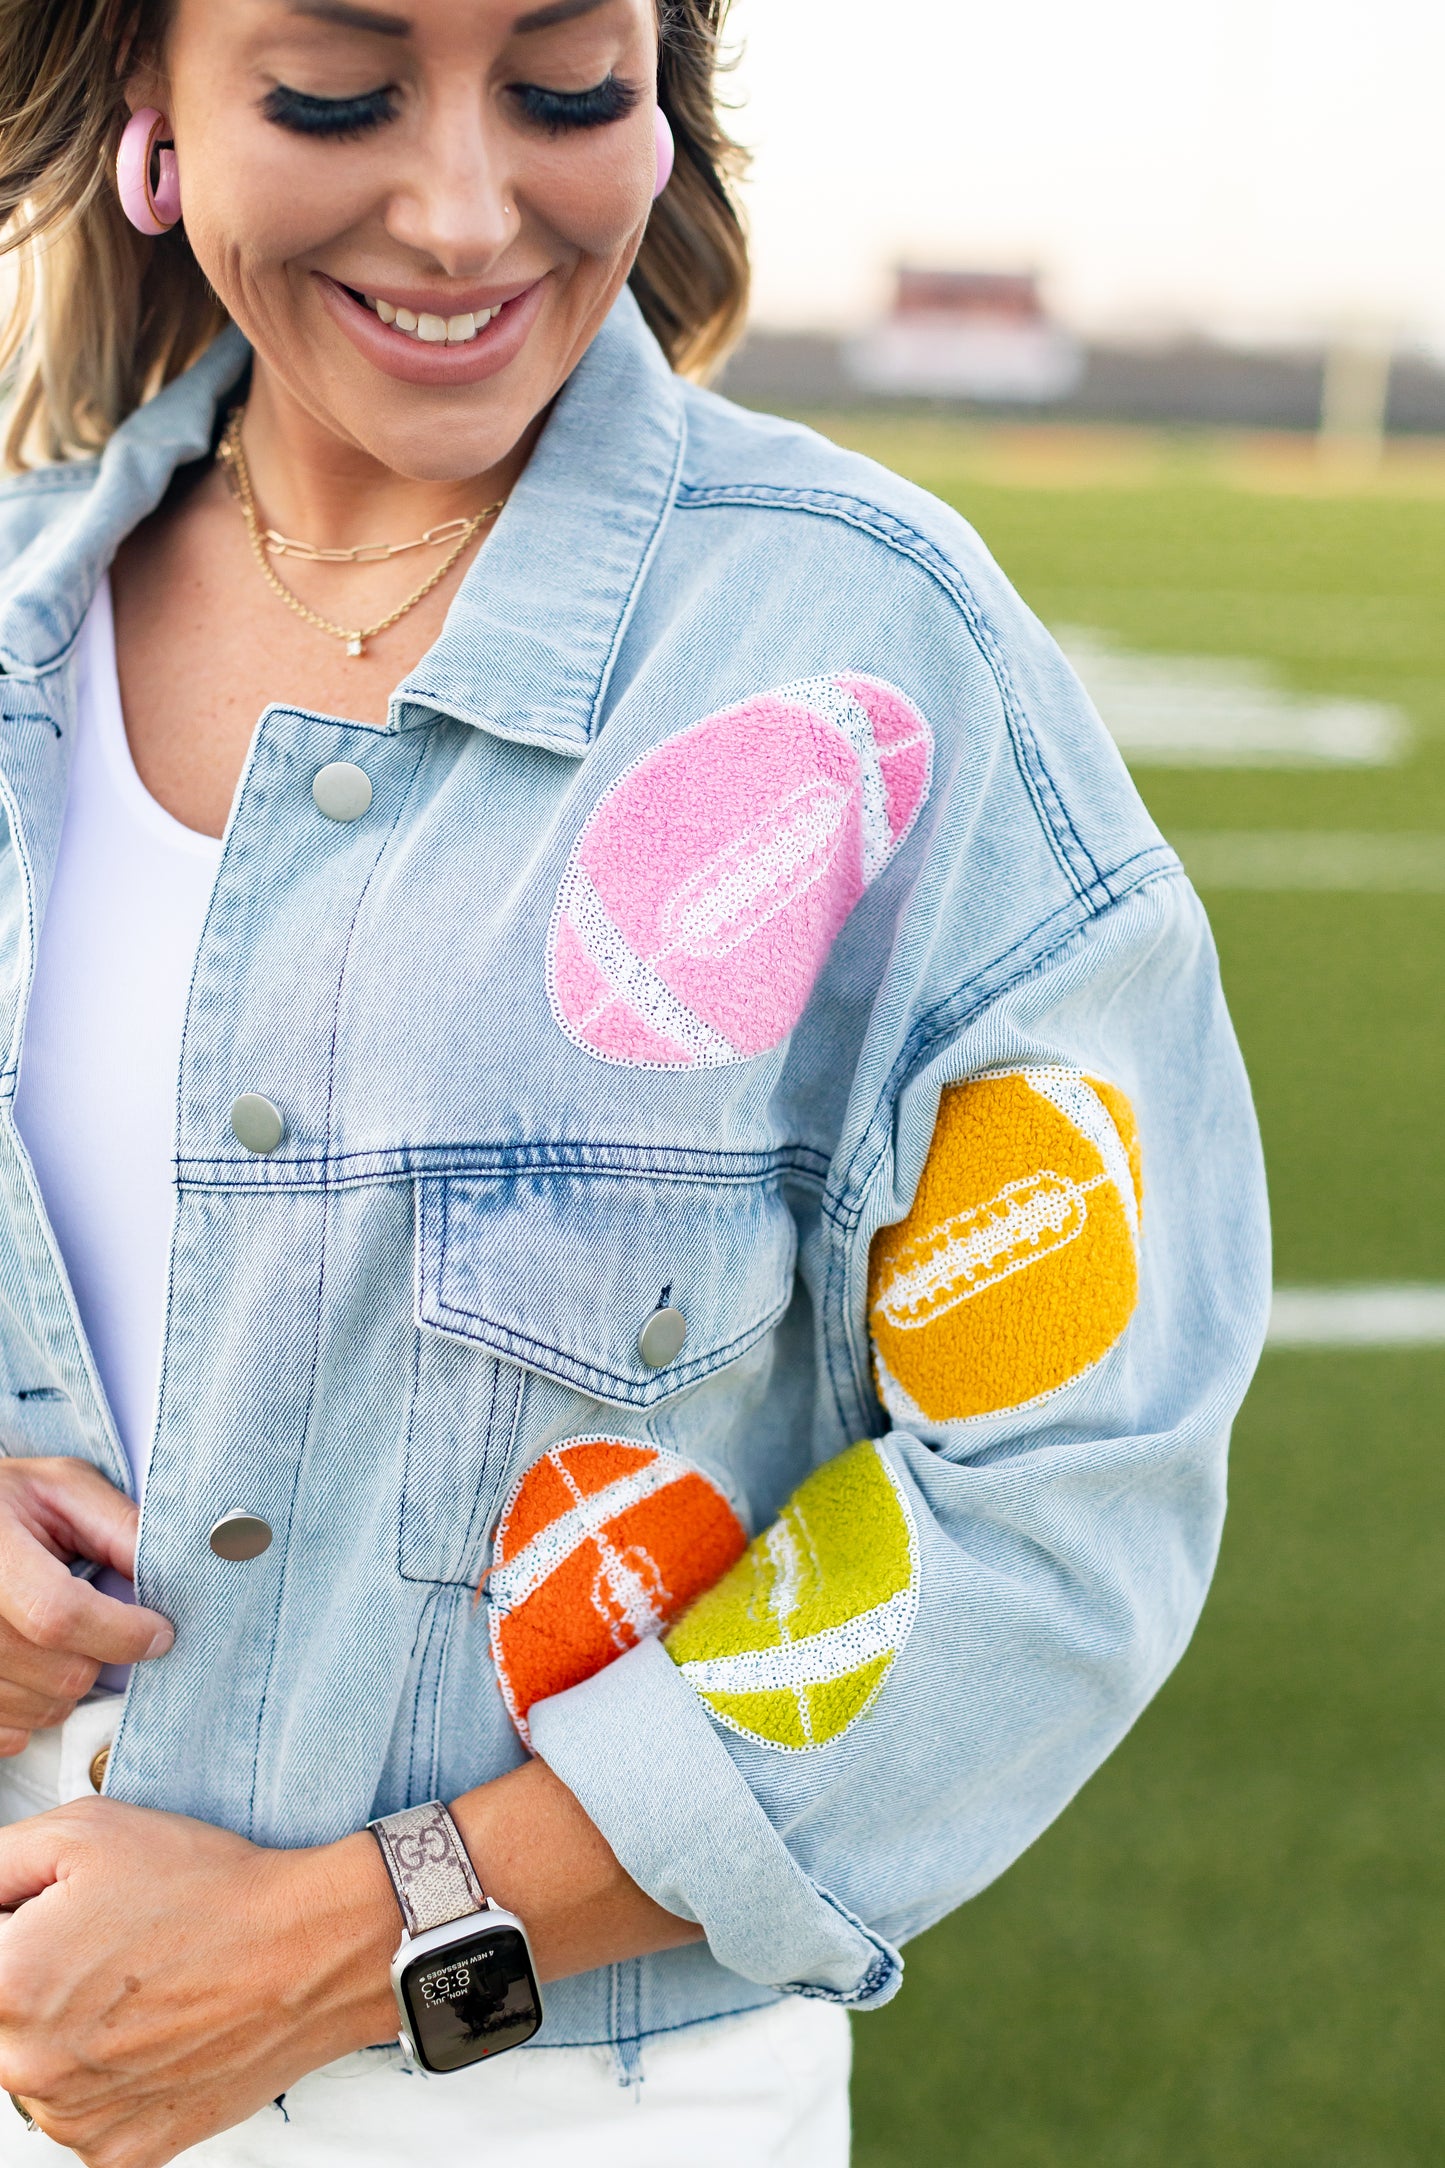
[{"x": 162, "y": 1640}]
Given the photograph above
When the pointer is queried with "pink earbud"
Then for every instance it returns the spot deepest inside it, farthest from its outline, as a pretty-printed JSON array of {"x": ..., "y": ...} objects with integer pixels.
[
  {"x": 666, "y": 153},
  {"x": 150, "y": 210}
]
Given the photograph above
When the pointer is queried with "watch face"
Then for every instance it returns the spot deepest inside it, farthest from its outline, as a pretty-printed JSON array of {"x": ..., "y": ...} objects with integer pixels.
[{"x": 472, "y": 2000}]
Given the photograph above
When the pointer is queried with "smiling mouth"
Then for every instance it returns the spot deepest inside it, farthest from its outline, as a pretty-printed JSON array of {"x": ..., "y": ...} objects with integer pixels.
[{"x": 426, "y": 329}]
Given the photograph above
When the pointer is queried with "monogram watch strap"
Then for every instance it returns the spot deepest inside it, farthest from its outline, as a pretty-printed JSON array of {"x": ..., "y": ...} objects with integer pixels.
[{"x": 434, "y": 1880}]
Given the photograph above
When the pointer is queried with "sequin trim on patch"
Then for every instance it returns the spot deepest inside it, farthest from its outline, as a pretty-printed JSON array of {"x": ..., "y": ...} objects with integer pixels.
[
  {"x": 795, "y": 1643},
  {"x": 1017, "y": 1269},
  {"x": 705, "y": 891},
  {"x": 601, "y": 1543}
]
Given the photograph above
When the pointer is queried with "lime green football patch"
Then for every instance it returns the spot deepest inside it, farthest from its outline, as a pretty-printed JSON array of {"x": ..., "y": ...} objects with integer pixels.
[{"x": 798, "y": 1637}]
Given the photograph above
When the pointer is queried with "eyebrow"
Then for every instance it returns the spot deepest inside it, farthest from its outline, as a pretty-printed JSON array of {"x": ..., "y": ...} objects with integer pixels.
[
  {"x": 347, "y": 17},
  {"x": 560, "y": 11}
]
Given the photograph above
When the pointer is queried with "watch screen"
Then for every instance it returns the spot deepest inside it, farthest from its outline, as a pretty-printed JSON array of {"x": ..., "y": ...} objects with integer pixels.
[{"x": 472, "y": 2000}]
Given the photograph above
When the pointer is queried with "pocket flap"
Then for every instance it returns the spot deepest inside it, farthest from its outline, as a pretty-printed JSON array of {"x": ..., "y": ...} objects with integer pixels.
[{"x": 562, "y": 1272}]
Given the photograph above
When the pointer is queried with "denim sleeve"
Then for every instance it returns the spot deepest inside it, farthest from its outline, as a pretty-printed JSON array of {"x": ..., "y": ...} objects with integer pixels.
[{"x": 1054, "y": 1275}]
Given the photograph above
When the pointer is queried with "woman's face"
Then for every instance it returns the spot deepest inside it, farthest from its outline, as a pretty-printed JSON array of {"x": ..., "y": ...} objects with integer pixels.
[{"x": 358, "y": 174}]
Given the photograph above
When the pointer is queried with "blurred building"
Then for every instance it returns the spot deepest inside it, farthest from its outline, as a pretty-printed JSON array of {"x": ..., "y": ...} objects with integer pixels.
[
  {"x": 982, "y": 335},
  {"x": 1188, "y": 381}
]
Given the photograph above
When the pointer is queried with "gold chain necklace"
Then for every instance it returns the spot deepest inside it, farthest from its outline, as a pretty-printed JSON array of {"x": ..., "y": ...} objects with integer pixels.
[{"x": 266, "y": 542}]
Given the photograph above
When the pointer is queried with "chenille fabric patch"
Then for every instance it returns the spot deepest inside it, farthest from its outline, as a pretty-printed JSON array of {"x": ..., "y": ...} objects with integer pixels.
[
  {"x": 1018, "y": 1267},
  {"x": 796, "y": 1641},
  {"x": 601, "y": 1543},
  {"x": 702, "y": 897}
]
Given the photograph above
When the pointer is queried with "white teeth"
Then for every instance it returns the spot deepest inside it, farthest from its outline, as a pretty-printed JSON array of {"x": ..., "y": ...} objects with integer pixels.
[{"x": 433, "y": 330}]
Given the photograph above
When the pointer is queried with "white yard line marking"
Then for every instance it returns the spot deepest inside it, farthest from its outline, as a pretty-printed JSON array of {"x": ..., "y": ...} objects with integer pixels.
[
  {"x": 1201, "y": 711},
  {"x": 1365, "y": 1317},
  {"x": 1339, "y": 861}
]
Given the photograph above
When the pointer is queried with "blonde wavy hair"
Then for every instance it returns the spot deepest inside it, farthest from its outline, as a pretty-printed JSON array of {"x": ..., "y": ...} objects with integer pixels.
[{"x": 101, "y": 318}]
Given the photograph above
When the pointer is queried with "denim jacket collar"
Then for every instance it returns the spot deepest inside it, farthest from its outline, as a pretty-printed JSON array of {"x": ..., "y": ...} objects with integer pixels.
[
  {"x": 46, "y": 589},
  {"x": 582, "y": 522}
]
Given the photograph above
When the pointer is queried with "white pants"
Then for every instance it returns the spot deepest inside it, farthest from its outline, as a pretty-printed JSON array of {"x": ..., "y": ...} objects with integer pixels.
[{"x": 768, "y": 2090}]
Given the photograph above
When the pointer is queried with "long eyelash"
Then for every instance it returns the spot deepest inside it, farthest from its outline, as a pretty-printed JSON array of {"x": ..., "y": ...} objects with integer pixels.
[
  {"x": 559, "y": 110},
  {"x": 332, "y": 117}
]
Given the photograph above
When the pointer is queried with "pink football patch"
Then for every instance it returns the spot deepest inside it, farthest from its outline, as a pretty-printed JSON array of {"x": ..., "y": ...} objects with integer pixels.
[{"x": 703, "y": 895}]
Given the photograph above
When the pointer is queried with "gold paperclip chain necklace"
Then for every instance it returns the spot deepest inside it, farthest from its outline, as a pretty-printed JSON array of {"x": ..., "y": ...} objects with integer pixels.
[{"x": 266, "y": 543}]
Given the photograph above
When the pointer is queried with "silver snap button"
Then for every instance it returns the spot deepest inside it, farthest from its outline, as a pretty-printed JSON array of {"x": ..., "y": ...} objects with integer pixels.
[
  {"x": 257, "y": 1124},
  {"x": 239, "y": 1536},
  {"x": 661, "y": 1338},
  {"x": 342, "y": 790}
]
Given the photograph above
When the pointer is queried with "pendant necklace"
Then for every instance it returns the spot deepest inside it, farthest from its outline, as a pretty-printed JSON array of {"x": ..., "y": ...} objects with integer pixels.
[{"x": 266, "y": 543}]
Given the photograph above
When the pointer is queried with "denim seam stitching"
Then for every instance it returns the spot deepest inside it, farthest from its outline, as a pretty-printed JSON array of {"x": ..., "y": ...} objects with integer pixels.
[
  {"x": 581, "y": 1372},
  {"x": 40, "y": 481},
  {"x": 361, "y": 895},
  {"x": 481, "y": 1500},
  {"x": 503, "y": 1410},
  {"x": 224, "y": 1177},
  {"x": 644, "y": 566},
  {"x": 437, "y": 1655},
  {"x": 965, "y": 1004},
  {"x": 416, "y": 1785},
  {"x": 423, "y": 1650},
  {"x": 641, "y": 1392},
  {"x": 34, "y": 673},
  {"x": 283, "y": 1576},
  {"x": 878, "y": 1975},
  {"x": 1068, "y": 845},
  {"x": 929, "y": 1031},
  {"x": 406, "y": 1458},
  {"x": 917, "y": 1048},
  {"x": 445, "y": 1163}
]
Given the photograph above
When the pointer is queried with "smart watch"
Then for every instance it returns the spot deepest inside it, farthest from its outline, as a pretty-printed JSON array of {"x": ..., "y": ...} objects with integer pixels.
[{"x": 463, "y": 1974}]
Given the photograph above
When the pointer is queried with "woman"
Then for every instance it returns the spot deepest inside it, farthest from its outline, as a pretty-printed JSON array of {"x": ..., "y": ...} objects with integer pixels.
[{"x": 569, "y": 954}]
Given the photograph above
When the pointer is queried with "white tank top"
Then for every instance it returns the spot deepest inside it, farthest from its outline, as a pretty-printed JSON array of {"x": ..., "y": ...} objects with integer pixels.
[{"x": 96, "y": 1104}]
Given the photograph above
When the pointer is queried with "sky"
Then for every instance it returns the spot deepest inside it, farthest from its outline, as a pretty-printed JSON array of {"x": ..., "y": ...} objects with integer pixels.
[{"x": 1258, "y": 168}]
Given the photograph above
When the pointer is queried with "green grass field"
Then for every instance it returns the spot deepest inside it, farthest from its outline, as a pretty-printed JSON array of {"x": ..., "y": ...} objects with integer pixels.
[{"x": 1231, "y": 1950}]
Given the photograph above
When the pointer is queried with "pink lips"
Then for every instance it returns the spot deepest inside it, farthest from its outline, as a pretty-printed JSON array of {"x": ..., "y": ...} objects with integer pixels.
[{"x": 410, "y": 361}]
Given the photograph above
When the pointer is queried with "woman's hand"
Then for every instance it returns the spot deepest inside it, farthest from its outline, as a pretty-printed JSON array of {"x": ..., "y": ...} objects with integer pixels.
[
  {"x": 162, "y": 1980},
  {"x": 56, "y": 1630}
]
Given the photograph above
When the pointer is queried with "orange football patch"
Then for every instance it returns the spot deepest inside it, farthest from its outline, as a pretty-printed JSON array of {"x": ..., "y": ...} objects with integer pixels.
[
  {"x": 600, "y": 1544},
  {"x": 1017, "y": 1269}
]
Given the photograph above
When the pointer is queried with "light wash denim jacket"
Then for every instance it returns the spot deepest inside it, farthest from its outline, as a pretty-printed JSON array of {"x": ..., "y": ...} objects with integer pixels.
[{"x": 753, "y": 941}]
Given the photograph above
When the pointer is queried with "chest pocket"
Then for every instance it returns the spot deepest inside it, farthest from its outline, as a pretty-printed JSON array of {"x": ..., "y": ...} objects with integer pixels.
[{"x": 540, "y": 1308}]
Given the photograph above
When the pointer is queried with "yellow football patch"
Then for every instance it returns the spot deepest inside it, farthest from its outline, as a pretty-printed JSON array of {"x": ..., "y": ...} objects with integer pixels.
[
  {"x": 797, "y": 1638},
  {"x": 1018, "y": 1267}
]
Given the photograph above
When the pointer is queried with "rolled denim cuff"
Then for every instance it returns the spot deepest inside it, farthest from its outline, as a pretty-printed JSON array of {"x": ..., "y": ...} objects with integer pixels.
[{"x": 636, "y": 1747}]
